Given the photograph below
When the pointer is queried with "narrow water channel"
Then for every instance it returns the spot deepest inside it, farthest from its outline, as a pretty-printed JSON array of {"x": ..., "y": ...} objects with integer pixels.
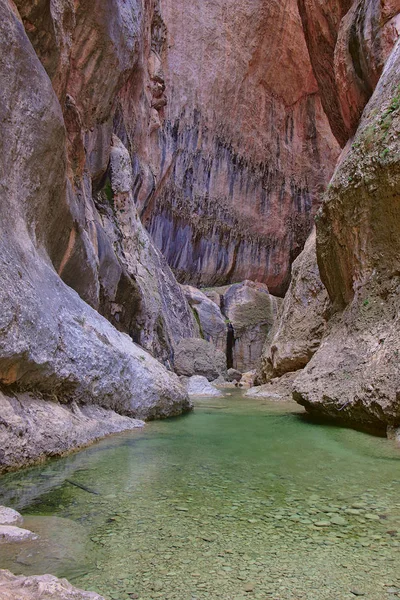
[{"x": 240, "y": 499}]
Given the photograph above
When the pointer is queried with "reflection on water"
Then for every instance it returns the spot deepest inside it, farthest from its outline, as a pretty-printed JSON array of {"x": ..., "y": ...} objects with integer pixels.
[{"x": 241, "y": 499}]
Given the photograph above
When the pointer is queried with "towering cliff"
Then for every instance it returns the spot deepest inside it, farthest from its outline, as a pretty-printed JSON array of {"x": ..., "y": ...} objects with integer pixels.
[
  {"x": 353, "y": 375},
  {"x": 231, "y": 179},
  {"x": 98, "y": 246},
  {"x": 55, "y": 348}
]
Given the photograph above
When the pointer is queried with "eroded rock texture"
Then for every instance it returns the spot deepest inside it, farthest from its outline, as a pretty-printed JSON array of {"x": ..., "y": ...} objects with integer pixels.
[
  {"x": 230, "y": 162},
  {"x": 302, "y": 319},
  {"x": 355, "y": 374},
  {"x": 349, "y": 42},
  {"x": 91, "y": 51},
  {"x": 43, "y": 587},
  {"x": 51, "y": 341}
]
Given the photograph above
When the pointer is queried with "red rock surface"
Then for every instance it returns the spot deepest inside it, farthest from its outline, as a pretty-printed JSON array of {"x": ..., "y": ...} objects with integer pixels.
[
  {"x": 229, "y": 182},
  {"x": 349, "y": 43}
]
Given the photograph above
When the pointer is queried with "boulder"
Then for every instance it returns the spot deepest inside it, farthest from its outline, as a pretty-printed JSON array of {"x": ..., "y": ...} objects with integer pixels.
[
  {"x": 252, "y": 312},
  {"x": 45, "y": 428},
  {"x": 200, "y": 386},
  {"x": 9, "y": 516},
  {"x": 234, "y": 375},
  {"x": 40, "y": 587},
  {"x": 302, "y": 319},
  {"x": 212, "y": 323},
  {"x": 199, "y": 357},
  {"x": 10, "y": 534}
]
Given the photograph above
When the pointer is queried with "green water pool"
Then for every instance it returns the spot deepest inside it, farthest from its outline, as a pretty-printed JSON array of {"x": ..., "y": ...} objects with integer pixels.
[{"x": 239, "y": 499}]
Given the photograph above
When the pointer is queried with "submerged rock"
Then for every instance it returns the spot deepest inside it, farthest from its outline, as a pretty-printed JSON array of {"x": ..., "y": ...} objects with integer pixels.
[{"x": 13, "y": 535}]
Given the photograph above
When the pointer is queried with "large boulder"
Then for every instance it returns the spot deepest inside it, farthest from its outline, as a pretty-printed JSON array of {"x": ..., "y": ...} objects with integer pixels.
[
  {"x": 252, "y": 312},
  {"x": 355, "y": 374},
  {"x": 302, "y": 320},
  {"x": 199, "y": 357},
  {"x": 199, "y": 386},
  {"x": 212, "y": 323}
]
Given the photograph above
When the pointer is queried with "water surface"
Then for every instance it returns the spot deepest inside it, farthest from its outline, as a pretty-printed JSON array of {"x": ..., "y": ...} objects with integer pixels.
[{"x": 240, "y": 499}]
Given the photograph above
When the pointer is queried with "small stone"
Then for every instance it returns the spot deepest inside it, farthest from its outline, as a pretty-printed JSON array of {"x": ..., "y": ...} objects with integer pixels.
[
  {"x": 338, "y": 520},
  {"x": 249, "y": 587},
  {"x": 322, "y": 523}
]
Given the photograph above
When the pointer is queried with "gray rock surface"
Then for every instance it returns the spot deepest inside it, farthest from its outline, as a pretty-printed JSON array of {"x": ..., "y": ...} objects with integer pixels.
[
  {"x": 51, "y": 341},
  {"x": 14, "y": 535},
  {"x": 199, "y": 357},
  {"x": 32, "y": 428},
  {"x": 252, "y": 311},
  {"x": 40, "y": 587},
  {"x": 213, "y": 326},
  {"x": 9, "y": 516},
  {"x": 276, "y": 390},
  {"x": 200, "y": 386},
  {"x": 234, "y": 375},
  {"x": 355, "y": 376},
  {"x": 302, "y": 319}
]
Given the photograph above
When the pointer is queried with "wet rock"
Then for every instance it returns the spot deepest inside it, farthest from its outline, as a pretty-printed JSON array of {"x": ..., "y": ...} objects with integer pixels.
[
  {"x": 43, "y": 587},
  {"x": 199, "y": 357},
  {"x": 10, "y": 534}
]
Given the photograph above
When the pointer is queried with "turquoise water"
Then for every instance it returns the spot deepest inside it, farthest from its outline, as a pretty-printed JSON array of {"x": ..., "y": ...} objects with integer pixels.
[{"x": 240, "y": 499}]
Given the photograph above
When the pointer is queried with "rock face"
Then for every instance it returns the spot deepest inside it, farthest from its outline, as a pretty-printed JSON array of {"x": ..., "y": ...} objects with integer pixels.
[
  {"x": 51, "y": 341},
  {"x": 302, "y": 319},
  {"x": 349, "y": 42},
  {"x": 229, "y": 184},
  {"x": 44, "y": 428},
  {"x": 199, "y": 357},
  {"x": 355, "y": 374},
  {"x": 98, "y": 245},
  {"x": 212, "y": 324},
  {"x": 43, "y": 587},
  {"x": 252, "y": 313}
]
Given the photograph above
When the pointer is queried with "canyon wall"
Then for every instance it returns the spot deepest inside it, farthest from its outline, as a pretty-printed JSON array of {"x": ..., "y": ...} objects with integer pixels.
[
  {"x": 353, "y": 374},
  {"x": 238, "y": 148},
  {"x": 98, "y": 245},
  {"x": 54, "y": 346}
]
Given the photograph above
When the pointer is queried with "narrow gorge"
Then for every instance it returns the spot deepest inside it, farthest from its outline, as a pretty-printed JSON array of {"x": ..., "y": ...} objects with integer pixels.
[{"x": 200, "y": 263}]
